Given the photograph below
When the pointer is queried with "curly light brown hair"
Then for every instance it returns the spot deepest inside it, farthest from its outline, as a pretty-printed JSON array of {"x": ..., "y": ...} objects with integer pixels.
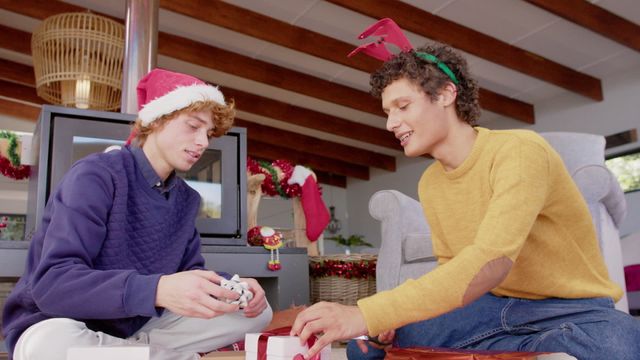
[
  {"x": 432, "y": 79},
  {"x": 222, "y": 116}
]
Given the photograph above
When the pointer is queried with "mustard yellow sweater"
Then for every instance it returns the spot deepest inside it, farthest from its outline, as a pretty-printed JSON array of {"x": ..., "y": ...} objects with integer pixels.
[{"x": 512, "y": 197}]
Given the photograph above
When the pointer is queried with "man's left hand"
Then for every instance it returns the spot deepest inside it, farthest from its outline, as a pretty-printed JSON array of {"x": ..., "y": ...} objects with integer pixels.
[{"x": 256, "y": 305}]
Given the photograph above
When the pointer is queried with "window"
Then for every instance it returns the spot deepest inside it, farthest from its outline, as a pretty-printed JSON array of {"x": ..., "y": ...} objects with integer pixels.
[
  {"x": 626, "y": 168},
  {"x": 12, "y": 227}
]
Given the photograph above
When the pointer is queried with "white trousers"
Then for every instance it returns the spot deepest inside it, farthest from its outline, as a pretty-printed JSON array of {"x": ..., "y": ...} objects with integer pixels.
[{"x": 170, "y": 337}]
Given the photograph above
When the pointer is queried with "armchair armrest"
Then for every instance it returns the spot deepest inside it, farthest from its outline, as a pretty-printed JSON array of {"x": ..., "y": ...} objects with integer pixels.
[
  {"x": 597, "y": 184},
  {"x": 406, "y": 237}
]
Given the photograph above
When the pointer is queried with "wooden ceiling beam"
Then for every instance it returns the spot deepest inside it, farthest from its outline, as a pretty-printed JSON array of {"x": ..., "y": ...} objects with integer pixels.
[
  {"x": 260, "y": 150},
  {"x": 222, "y": 60},
  {"x": 274, "y": 109},
  {"x": 218, "y": 59},
  {"x": 21, "y": 92},
  {"x": 506, "y": 106},
  {"x": 40, "y": 9},
  {"x": 19, "y": 110},
  {"x": 312, "y": 119},
  {"x": 594, "y": 18},
  {"x": 16, "y": 72},
  {"x": 298, "y": 142},
  {"x": 331, "y": 179},
  {"x": 261, "y": 71},
  {"x": 265, "y": 28},
  {"x": 32, "y": 112},
  {"x": 14, "y": 39},
  {"x": 474, "y": 42},
  {"x": 303, "y": 155}
]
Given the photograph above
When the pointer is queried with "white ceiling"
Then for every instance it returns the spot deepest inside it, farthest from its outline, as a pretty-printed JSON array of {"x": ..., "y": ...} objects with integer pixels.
[{"x": 513, "y": 21}]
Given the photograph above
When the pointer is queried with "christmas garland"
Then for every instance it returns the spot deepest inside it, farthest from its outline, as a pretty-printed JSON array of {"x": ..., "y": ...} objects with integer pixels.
[
  {"x": 13, "y": 145},
  {"x": 362, "y": 269},
  {"x": 14, "y": 172},
  {"x": 272, "y": 185},
  {"x": 11, "y": 167}
]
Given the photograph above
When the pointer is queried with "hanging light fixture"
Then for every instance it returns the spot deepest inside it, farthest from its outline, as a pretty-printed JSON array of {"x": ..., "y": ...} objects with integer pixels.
[{"x": 77, "y": 59}]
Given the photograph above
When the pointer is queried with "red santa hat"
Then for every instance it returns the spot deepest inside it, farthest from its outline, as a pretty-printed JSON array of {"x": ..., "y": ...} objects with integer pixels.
[
  {"x": 162, "y": 92},
  {"x": 315, "y": 211}
]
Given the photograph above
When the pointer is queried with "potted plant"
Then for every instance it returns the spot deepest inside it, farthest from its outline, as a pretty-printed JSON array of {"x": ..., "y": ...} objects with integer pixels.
[{"x": 353, "y": 240}]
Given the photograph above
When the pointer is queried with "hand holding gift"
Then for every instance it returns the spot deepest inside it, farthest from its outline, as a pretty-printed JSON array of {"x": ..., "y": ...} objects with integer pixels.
[
  {"x": 276, "y": 345},
  {"x": 334, "y": 321}
]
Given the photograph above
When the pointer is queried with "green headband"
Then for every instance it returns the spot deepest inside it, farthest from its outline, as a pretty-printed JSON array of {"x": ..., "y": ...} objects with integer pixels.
[{"x": 442, "y": 66}]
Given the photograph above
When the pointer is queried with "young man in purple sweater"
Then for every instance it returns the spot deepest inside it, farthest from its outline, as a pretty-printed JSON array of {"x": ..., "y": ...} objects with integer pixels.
[{"x": 116, "y": 259}]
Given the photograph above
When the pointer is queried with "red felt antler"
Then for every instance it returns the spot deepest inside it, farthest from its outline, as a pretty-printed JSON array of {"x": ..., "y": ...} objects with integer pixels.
[{"x": 389, "y": 32}]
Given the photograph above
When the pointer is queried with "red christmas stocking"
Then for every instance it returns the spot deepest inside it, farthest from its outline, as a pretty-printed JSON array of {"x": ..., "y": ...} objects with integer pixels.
[{"x": 315, "y": 211}]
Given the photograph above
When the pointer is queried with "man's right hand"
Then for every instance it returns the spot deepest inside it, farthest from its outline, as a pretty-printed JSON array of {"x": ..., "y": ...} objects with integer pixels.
[
  {"x": 382, "y": 341},
  {"x": 195, "y": 293}
]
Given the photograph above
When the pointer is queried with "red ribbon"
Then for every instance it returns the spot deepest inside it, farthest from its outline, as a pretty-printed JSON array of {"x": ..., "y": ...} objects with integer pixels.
[{"x": 263, "y": 339}]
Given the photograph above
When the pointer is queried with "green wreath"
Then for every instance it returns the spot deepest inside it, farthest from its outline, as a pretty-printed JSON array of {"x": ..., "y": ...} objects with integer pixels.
[{"x": 13, "y": 145}]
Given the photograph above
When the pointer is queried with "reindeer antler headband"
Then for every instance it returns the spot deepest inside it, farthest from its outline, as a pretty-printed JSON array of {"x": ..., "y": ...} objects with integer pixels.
[{"x": 389, "y": 32}]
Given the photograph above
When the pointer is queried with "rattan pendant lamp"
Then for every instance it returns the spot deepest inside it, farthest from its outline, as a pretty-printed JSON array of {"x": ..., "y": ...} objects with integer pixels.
[{"x": 77, "y": 59}]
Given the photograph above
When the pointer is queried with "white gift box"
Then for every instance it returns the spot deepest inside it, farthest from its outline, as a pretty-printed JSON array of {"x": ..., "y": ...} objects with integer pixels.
[
  {"x": 109, "y": 352},
  {"x": 280, "y": 348}
]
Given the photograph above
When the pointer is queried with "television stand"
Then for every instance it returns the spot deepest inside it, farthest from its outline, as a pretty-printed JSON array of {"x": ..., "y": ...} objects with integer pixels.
[{"x": 285, "y": 287}]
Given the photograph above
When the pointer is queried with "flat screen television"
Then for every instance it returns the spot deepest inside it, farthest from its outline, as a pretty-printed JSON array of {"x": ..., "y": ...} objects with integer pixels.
[{"x": 65, "y": 135}]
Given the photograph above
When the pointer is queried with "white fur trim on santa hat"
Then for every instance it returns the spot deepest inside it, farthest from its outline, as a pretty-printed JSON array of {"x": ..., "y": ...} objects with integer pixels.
[
  {"x": 177, "y": 99},
  {"x": 299, "y": 175}
]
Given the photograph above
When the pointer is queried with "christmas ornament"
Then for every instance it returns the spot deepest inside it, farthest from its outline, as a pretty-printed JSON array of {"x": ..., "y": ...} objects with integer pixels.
[
  {"x": 253, "y": 236},
  {"x": 272, "y": 241}
]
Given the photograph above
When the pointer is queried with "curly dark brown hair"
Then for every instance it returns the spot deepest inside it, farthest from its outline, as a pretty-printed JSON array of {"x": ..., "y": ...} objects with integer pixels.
[
  {"x": 222, "y": 116},
  {"x": 431, "y": 78}
]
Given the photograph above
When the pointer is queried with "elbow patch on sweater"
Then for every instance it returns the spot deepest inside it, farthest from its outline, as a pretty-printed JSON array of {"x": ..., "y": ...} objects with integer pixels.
[{"x": 489, "y": 276}]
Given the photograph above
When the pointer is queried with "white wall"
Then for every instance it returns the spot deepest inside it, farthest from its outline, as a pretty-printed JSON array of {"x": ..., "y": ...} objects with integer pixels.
[
  {"x": 619, "y": 111},
  {"x": 278, "y": 213},
  {"x": 405, "y": 179},
  {"x": 13, "y": 194}
]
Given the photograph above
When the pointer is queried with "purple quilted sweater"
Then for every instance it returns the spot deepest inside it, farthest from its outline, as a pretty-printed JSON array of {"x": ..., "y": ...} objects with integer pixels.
[{"x": 105, "y": 240}]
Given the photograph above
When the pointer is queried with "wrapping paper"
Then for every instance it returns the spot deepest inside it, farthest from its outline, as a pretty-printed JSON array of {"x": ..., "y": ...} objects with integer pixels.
[{"x": 277, "y": 345}]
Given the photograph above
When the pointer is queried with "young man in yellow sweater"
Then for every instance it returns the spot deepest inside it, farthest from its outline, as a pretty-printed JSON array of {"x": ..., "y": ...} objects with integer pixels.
[{"x": 519, "y": 264}]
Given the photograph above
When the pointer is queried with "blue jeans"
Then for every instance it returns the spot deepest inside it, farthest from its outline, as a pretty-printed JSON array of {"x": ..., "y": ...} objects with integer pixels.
[{"x": 584, "y": 328}]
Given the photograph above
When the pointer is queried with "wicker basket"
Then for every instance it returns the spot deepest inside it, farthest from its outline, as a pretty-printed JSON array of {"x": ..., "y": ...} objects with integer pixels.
[{"x": 345, "y": 288}]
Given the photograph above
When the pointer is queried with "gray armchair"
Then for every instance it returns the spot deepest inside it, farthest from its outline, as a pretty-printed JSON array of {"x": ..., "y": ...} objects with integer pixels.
[{"x": 406, "y": 250}]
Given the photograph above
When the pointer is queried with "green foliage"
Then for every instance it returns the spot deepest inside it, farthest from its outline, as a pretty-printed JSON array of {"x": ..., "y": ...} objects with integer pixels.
[
  {"x": 12, "y": 227},
  {"x": 627, "y": 171},
  {"x": 353, "y": 240}
]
